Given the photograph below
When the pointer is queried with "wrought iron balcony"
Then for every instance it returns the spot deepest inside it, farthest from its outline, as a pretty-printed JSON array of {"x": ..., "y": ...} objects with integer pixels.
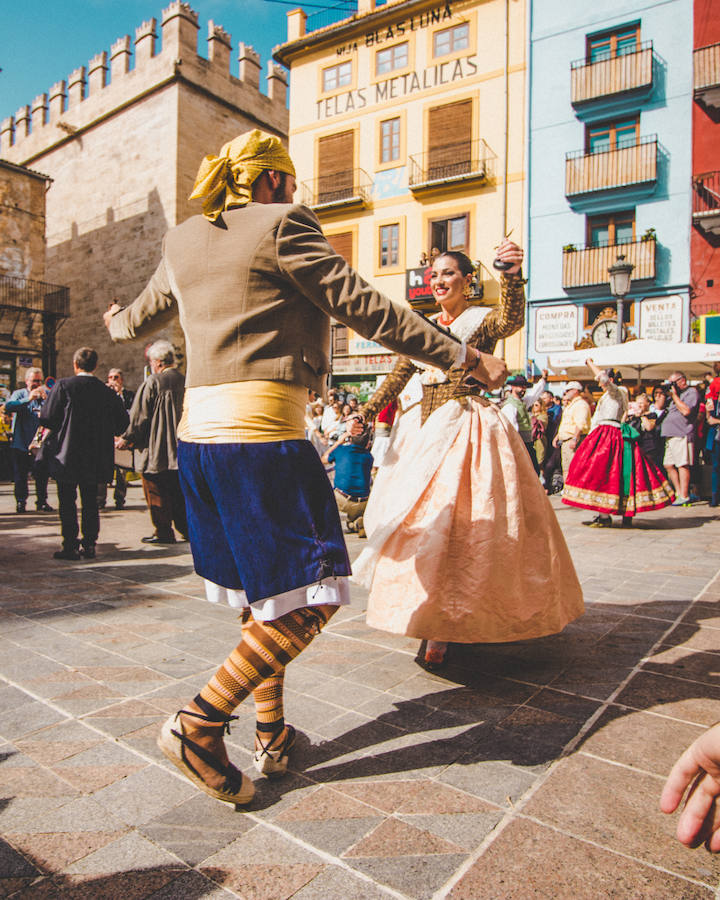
[
  {"x": 452, "y": 163},
  {"x": 24, "y": 295},
  {"x": 615, "y": 75},
  {"x": 588, "y": 266},
  {"x": 351, "y": 187},
  {"x": 706, "y": 202},
  {"x": 706, "y": 63},
  {"x": 625, "y": 166}
]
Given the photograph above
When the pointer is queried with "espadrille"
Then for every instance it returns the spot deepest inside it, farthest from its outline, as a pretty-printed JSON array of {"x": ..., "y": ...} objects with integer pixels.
[
  {"x": 172, "y": 741},
  {"x": 275, "y": 762}
]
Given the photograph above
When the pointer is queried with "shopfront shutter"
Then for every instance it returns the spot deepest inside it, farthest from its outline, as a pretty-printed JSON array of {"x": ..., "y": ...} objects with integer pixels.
[
  {"x": 450, "y": 140},
  {"x": 335, "y": 167}
]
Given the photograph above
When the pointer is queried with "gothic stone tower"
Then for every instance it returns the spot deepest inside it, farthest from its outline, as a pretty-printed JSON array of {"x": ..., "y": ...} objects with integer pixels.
[{"x": 123, "y": 152}]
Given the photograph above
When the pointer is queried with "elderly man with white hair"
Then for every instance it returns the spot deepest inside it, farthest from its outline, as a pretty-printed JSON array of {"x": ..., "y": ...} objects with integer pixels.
[{"x": 154, "y": 418}]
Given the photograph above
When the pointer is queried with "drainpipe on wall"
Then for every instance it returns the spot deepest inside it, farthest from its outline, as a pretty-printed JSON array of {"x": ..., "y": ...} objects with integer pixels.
[{"x": 506, "y": 119}]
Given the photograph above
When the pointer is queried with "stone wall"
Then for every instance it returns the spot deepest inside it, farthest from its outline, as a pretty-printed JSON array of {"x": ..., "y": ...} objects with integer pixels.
[
  {"x": 22, "y": 222},
  {"x": 123, "y": 146}
]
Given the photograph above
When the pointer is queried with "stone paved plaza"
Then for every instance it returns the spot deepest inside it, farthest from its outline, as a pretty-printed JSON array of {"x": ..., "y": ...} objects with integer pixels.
[{"x": 523, "y": 771}]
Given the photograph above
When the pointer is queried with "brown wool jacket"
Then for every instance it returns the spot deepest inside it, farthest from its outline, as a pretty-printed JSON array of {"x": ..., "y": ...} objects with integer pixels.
[{"x": 255, "y": 295}]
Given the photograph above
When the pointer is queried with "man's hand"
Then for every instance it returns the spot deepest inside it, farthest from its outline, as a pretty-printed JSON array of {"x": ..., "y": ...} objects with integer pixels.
[
  {"x": 572, "y": 443},
  {"x": 121, "y": 444},
  {"x": 355, "y": 426},
  {"x": 556, "y": 442},
  {"x": 544, "y": 374},
  {"x": 38, "y": 393},
  {"x": 488, "y": 369},
  {"x": 698, "y": 772},
  {"x": 110, "y": 312}
]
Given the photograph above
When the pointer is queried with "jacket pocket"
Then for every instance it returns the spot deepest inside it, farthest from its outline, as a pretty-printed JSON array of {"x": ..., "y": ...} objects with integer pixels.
[{"x": 316, "y": 360}]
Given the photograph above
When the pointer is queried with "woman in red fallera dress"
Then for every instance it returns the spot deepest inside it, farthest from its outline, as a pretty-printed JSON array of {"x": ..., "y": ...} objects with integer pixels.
[{"x": 609, "y": 472}]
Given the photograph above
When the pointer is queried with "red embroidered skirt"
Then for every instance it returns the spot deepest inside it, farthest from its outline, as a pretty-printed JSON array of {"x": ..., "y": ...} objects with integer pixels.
[{"x": 595, "y": 477}]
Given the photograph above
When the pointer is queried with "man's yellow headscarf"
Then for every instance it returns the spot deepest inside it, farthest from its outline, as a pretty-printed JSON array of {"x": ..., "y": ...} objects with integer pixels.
[{"x": 226, "y": 180}]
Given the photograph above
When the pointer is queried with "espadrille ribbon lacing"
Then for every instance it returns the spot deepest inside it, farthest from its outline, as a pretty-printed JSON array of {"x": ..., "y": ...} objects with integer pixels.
[{"x": 237, "y": 788}]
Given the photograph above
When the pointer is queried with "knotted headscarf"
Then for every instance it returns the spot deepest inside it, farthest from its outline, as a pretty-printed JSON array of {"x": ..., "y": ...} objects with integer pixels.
[{"x": 226, "y": 180}]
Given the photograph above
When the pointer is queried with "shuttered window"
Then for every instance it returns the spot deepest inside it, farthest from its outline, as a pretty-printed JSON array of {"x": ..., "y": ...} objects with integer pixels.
[
  {"x": 450, "y": 140},
  {"x": 342, "y": 244},
  {"x": 335, "y": 167}
]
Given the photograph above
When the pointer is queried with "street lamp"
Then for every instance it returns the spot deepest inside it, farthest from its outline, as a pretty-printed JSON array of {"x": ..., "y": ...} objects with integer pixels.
[{"x": 619, "y": 287}]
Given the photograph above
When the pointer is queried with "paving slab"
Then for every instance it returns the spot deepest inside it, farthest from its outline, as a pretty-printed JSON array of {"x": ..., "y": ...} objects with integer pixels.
[{"x": 522, "y": 770}]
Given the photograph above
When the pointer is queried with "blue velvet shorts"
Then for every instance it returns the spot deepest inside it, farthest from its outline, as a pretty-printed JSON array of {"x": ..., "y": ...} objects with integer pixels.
[{"x": 261, "y": 517}]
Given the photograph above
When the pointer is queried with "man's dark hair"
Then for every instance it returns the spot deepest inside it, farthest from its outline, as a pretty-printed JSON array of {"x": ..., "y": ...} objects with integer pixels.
[{"x": 86, "y": 359}]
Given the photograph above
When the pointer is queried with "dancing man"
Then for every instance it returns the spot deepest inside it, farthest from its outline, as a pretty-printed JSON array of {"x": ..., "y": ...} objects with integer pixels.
[{"x": 255, "y": 283}]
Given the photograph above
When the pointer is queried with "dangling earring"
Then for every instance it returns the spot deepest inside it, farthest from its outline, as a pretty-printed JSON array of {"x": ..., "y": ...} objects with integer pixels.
[{"x": 467, "y": 291}]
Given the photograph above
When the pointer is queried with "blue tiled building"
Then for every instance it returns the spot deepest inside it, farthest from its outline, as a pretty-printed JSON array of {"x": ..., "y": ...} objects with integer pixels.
[{"x": 610, "y": 103}]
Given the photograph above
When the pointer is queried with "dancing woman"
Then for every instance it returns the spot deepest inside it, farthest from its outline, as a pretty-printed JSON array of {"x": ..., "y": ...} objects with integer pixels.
[
  {"x": 463, "y": 544},
  {"x": 609, "y": 472}
]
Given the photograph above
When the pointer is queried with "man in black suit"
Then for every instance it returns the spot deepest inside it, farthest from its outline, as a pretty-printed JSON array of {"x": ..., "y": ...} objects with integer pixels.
[{"x": 84, "y": 416}]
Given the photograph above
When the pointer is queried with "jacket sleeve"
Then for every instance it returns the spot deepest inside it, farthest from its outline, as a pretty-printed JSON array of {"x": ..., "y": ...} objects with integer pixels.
[
  {"x": 52, "y": 411},
  {"x": 390, "y": 389},
  {"x": 138, "y": 431},
  {"x": 320, "y": 274},
  {"x": 506, "y": 318},
  {"x": 120, "y": 415},
  {"x": 154, "y": 308}
]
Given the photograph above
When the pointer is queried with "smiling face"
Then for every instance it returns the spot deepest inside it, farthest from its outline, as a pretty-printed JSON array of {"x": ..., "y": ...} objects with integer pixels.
[{"x": 448, "y": 283}]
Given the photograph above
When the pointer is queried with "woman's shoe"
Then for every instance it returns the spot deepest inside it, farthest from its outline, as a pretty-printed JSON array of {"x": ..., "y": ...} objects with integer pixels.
[
  {"x": 435, "y": 653},
  {"x": 272, "y": 762},
  {"x": 237, "y": 788},
  {"x": 600, "y": 521}
]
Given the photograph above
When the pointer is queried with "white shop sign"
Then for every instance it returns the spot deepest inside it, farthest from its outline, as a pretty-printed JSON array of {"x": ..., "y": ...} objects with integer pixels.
[
  {"x": 556, "y": 328},
  {"x": 661, "y": 318},
  {"x": 360, "y": 346}
]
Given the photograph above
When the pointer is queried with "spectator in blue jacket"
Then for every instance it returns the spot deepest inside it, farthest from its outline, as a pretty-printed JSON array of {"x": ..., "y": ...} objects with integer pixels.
[
  {"x": 25, "y": 404},
  {"x": 353, "y": 464}
]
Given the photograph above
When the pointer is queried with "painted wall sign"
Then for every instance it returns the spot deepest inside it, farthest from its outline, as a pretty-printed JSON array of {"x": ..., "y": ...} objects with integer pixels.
[
  {"x": 556, "y": 328},
  {"x": 391, "y": 32},
  {"x": 363, "y": 365},
  {"x": 399, "y": 86},
  {"x": 661, "y": 318}
]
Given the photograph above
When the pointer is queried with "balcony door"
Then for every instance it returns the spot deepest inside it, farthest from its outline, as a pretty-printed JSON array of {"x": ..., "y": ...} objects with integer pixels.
[
  {"x": 613, "y": 43},
  {"x": 612, "y": 135},
  {"x": 449, "y": 140},
  {"x": 335, "y": 167},
  {"x": 608, "y": 231}
]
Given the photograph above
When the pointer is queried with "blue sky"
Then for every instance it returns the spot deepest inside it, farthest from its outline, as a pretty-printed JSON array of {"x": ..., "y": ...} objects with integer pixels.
[{"x": 42, "y": 41}]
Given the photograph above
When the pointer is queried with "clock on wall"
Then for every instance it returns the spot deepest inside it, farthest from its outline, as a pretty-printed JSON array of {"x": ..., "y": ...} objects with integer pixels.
[{"x": 604, "y": 332}]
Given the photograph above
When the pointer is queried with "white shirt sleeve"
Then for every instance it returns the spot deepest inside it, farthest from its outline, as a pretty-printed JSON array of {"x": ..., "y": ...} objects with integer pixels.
[
  {"x": 534, "y": 393},
  {"x": 510, "y": 413}
]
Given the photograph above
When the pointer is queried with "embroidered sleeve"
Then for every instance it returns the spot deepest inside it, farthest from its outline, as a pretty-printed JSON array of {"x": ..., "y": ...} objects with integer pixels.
[
  {"x": 390, "y": 389},
  {"x": 506, "y": 318}
]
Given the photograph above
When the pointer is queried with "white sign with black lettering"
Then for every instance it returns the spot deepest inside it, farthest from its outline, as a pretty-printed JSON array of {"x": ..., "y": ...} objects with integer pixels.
[
  {"x": 556, "y": 328},
  {"x": 661, "y": 318}
]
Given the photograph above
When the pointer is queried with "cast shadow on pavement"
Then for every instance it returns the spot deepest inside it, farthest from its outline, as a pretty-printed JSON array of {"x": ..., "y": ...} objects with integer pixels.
[{"x": 522, "y": 704}]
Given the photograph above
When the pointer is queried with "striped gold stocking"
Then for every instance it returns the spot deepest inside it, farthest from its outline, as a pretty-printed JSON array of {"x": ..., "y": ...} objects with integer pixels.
[{"x": 261, "y": 656}]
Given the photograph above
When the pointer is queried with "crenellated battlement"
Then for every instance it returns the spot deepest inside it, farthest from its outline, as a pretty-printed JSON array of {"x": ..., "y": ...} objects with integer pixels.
[{"x": 133, "y": 68}]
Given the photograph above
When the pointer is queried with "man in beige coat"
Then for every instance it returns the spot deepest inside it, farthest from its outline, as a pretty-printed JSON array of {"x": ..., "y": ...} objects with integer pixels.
[{"x": 255, "y": 284}]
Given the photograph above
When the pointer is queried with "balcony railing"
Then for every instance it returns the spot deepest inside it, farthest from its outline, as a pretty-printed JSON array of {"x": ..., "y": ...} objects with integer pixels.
[
  {"x": 616, "y": 75},
  {"x": 588, "y": 266},
  {"x": 24, "y": 295},
  {"x": 706, "y": 201},
  {"x": 622, "y": 167},
  {"x": 351, "y": 187},
  {"x": 706, "y": 62},
  {"x": 454, "y": 162}
]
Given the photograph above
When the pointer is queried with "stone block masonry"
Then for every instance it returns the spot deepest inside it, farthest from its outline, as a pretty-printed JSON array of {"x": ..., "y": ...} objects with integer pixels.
[{"x": 123, "y": 143}]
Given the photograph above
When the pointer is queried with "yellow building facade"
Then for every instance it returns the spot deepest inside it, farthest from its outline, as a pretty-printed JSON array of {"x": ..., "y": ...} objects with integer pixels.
[{"x": 407, "y": 129}]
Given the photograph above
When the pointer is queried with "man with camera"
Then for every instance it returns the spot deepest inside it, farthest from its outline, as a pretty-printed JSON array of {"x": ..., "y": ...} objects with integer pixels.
[
  {"x": 677, "y": 428},
  {"x": 26, "y": 403}
]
